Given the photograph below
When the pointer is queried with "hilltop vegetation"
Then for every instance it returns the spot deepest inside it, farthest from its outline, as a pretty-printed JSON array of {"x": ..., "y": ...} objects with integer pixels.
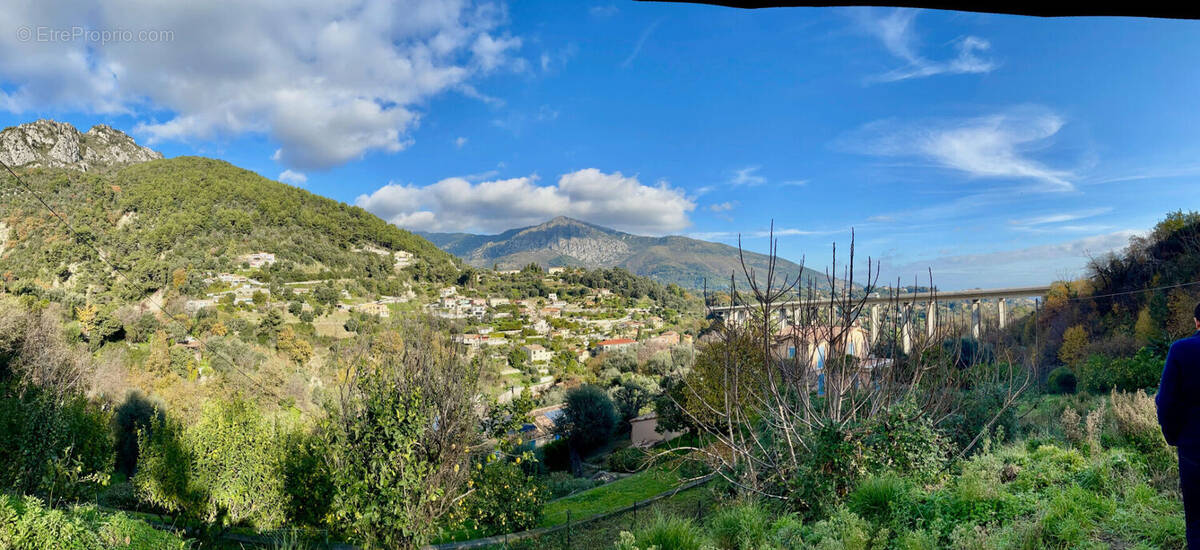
[
  {"x": 1112, "y": 328},
  {"x": 194, "y": 214}
]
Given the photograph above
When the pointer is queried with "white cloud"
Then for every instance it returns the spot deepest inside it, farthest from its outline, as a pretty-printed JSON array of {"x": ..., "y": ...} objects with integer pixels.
[
  {"x": 747, "y": 176},
  {"x": 460, "y": 141},
  {"x": 896, "y": 33},
  {"x": 328, "y": 81},
  {"x": 723, "y": 206},
  {"x": 293, "y": 177},
  {"x": 456, "y": 204},
  {"x": 993, "y": 146}
]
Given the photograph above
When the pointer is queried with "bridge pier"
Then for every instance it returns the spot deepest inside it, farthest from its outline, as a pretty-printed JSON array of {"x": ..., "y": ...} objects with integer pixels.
[
  {"x": 874, "y": 324},
  {"x": 931, "y": 319},
  {"x": 1003, "y": 313},
  {"x": 975, "y": 330}
]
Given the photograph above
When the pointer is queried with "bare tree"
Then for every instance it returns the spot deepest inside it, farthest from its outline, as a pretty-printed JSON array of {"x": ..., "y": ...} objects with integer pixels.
[{"x": 811, "y": 370}]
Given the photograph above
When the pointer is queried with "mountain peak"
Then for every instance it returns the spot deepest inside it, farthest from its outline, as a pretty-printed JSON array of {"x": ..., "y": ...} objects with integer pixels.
[{"x": 53, "y": 144}]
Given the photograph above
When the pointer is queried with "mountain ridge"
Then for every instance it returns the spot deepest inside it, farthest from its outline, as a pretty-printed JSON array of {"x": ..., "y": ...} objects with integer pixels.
[
  {"x": 46, "y": 143},
  {"x": 564, "y": 241}
]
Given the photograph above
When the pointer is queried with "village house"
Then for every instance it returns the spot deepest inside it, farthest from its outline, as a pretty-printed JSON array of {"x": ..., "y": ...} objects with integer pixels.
[
  {"x": 541, "y": 430},
  {"x": 259, "y": 259},
  {"x": 644, "y": 431},
  {"x": 669, "y": 338},
  {"x": 537, "y": 353},
  {"x": 616, "y": 344},
  {"x": 374, "y": 308}
]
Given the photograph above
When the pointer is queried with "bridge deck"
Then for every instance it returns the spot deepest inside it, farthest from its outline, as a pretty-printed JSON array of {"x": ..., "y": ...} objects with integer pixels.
[{"x": 942, "y": 296}]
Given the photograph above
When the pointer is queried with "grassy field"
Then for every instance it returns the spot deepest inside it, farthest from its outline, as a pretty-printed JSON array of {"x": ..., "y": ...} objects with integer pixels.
[
  {"x": 697, "y": 502},
  {"x": 612, "y": 496}
]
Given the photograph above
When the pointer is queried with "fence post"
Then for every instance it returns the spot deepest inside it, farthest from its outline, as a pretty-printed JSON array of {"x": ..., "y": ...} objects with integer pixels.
[{"x": 568, "y": 529}]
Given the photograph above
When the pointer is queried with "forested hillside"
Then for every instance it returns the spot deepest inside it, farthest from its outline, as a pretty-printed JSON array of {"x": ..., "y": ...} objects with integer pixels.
[
  {"x": 188, "y": 213},
  {"x": 1112, "y": 328}
]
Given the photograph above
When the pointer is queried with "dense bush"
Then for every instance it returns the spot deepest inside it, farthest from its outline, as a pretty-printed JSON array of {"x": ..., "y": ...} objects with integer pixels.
[
  {"x": 227, "y": 467},
  {"x": 1102, "y": 374},
  {"x": 398, "y": 440},
  {"x": 588, "y": 419},
  {"x": 555, "y": 455},
  {"x": 59, "y": 448},
  {"x": 742, "y": 526},
  {"x": 29, "y": 524},
  {"x": 504, "y": 499},
  {"x": 976, "y": 409},
  {"x": 1061, "y": 380}
]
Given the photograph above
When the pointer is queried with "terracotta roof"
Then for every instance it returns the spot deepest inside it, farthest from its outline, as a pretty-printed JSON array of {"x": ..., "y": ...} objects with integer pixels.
[{"x": 616, "y": 341}]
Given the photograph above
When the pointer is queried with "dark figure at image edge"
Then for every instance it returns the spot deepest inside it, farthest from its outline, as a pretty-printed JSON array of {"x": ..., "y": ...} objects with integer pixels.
[{"x": 1178, "y": 402}]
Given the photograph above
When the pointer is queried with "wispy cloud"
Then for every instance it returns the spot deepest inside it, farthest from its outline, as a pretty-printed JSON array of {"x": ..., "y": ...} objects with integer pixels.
[
  {"x": 460, "y": 141},
  {"x": 992, "y": 146},
  {"x": 895, "y": 31},
  {"x": 723, "y": 206},
  {"x": 762, "y": 233},
  {"x": 641, "y": 41},
  {"x": 747, "y": 176},
  {"x": 1037, "y": 223}
]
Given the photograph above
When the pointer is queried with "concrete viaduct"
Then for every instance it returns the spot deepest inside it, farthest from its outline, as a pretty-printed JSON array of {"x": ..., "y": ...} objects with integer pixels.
[{"x": 788, "y": 310}]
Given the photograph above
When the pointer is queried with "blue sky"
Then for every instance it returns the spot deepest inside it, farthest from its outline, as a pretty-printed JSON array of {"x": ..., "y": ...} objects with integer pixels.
[{"x": 996, "y": 150}]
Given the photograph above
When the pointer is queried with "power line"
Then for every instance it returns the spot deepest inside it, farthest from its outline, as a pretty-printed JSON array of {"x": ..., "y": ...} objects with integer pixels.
[
  {"x": 100, "y": 254},
  {"x": 1138, "y": 291}
]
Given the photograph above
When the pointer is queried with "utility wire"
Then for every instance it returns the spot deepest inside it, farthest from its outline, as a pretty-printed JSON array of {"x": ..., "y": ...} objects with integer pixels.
[{"x": 100, "y": 254}]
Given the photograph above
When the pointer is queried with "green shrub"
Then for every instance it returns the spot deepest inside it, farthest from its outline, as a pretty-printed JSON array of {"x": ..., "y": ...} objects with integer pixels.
[
  {"x": 1061, "y": 380},
  {"x": 29, "y": 524},
  {"x": 743, "y": 526},
  {"x": 905, "y": 441},
  {"x": 555, "y": 455},
  {"x": 398, "y": 441},
  {"x": 588, "y": 418},
  {"x": 876, "y": 498},
  {"x": 842, "y": 531},
  {"x": 60, "y": 448},
  {"x": 666, "y": 533},
  {"x": 1100, "y": 374},
  {"x": 505, "y": 499},
  {"x": 228, "y": 467},
  {"x": 977, "y": 407},
  {"x": 834, "y": 463},
  {"x": 628, "y": 459}
]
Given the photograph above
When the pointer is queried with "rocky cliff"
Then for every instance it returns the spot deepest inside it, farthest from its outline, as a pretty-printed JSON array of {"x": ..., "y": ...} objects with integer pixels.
[{"x": 50, "y": 144}]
